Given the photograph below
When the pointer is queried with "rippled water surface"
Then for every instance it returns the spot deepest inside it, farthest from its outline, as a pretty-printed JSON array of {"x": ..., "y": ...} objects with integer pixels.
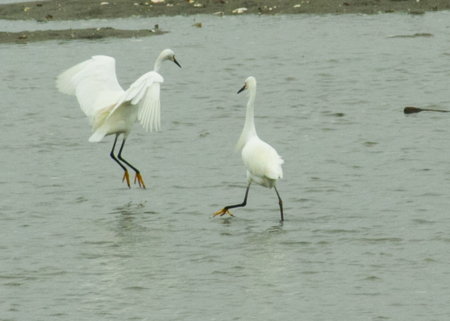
[{"x": 366, "y": 189}]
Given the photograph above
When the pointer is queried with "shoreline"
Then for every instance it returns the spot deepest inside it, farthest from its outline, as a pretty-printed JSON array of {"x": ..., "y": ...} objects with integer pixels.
[{"x": 59, "y": 10}]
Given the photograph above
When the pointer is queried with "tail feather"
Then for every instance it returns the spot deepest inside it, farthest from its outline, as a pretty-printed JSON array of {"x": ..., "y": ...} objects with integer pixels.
[{"x": 97, "y": 136}]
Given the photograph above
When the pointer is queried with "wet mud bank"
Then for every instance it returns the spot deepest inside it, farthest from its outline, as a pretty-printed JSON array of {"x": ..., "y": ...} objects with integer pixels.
[{"x": 71, "y": 34}]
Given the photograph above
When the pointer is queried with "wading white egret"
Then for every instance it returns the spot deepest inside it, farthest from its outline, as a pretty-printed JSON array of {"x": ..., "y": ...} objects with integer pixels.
[
  {"x": 261, "y": 160},
  {"x": 112, "y": 110}
]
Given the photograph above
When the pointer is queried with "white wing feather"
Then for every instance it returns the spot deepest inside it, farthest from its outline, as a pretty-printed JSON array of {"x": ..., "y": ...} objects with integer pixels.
[
  {"x": 93, "y": 82},
  {"x": 145, "y": 93},
  {"x": 262, "y": 160},
  {"x": 149, "y": 113}
]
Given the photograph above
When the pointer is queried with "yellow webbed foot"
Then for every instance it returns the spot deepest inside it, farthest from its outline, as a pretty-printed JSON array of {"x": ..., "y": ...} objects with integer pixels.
[
  {"x": 138, "y": 178},
  {"x": 126, "y": 178},
  {"x": 222, "y": 212}
]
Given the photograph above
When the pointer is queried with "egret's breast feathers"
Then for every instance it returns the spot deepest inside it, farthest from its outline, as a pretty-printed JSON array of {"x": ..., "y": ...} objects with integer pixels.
[{"x": 262, "y": 160}]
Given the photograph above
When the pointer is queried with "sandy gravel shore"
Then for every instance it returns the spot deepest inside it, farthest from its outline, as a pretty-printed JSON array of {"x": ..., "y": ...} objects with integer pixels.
[
  {"x": 88, "y": 9},
  {"x": 92, "y": 9}
]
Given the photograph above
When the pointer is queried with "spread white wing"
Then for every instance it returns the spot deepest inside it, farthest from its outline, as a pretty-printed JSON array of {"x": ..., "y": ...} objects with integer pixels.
[
  {"x": 145, "y": 93},
  {"x": 93, "y": 82}
]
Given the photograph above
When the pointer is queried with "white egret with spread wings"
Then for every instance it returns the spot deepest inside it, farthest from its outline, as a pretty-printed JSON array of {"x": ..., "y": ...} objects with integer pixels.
[{"x": 112, "y": 110}]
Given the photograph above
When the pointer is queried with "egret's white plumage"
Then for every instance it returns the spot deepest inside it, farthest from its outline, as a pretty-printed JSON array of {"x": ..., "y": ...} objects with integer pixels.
[
  {"x": 261, "y": 160},
  {"x": 111, "y": 109}
]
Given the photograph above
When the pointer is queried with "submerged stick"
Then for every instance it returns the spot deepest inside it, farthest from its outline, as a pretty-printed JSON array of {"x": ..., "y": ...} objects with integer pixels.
[{"x": 412, "y": 110}]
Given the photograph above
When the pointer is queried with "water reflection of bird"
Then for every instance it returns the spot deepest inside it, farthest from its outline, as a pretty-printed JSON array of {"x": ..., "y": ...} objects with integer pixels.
[
  {"x": 261, "y": 160},
  {"x": 112, "y": 110}
]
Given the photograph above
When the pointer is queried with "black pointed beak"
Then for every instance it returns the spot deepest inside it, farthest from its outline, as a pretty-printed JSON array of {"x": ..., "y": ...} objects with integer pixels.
[
  {"x": 242, "y": 89},
  {"x": 176, "y": 62}
]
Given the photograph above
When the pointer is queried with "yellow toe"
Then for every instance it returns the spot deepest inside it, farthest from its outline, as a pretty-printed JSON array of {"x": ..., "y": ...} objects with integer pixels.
[
  {"x": 138, "y": 178},
  {"x": 222, "y": 212},
  {"x": 126, "y": 178}
]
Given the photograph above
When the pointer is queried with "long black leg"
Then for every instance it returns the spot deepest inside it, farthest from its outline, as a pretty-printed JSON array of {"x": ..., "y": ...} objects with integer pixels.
[
  {"x": 114, "y": 156},
  {"x": 280, "y": 202},
  {"x": 226, "y": 208},
  {"x": 122, "y": 159},
  {"x": 117, "y": 161},
  {"x": 138, "y": 177}
]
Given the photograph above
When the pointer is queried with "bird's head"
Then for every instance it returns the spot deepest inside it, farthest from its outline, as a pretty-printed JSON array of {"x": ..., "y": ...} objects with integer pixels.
[
  {"x": 168, "y": 54},
  {"x": 250, "y": 83}
]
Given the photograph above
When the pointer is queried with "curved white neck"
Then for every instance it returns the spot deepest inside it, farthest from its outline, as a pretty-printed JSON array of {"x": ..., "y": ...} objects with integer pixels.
[
  {"x": 249, "y": 126},
  {"x": 249, "y": 129},
  {"x": 158, "y": 63}
]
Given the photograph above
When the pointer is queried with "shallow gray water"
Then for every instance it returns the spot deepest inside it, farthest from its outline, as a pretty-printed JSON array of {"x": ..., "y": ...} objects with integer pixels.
[{"x": 365, "y": 188}]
